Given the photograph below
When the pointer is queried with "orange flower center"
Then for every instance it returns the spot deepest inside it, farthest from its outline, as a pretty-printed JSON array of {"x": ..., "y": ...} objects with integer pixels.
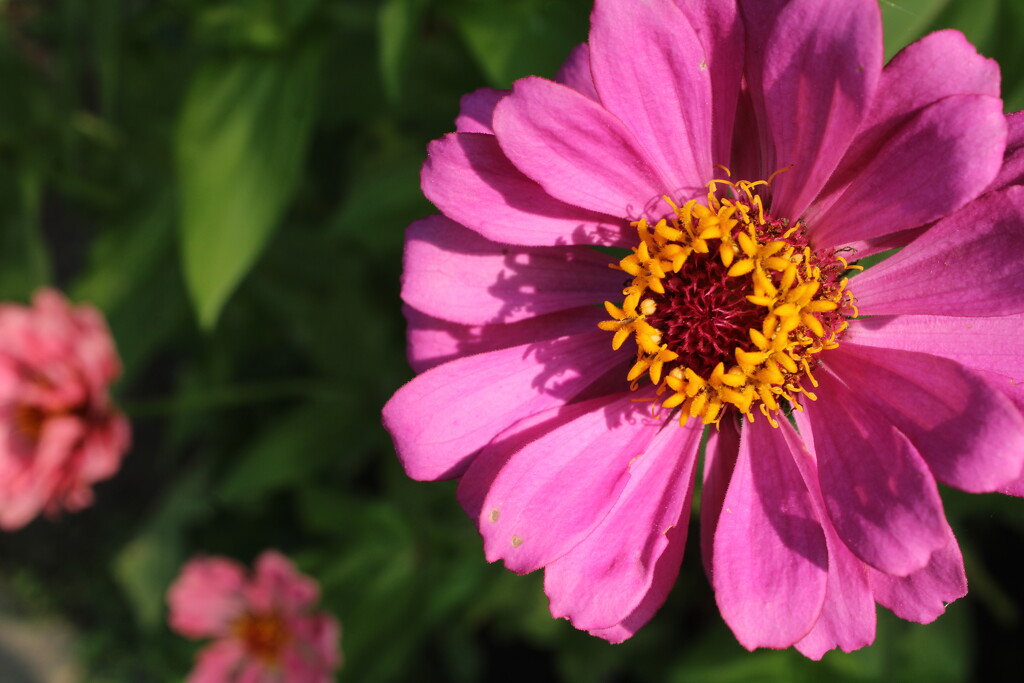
[
  {"x": 264, "y": 635},
  {"x": 28, "y": 421}
]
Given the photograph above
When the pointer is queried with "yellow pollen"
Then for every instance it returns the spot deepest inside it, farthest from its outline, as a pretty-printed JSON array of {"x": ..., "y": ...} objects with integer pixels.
[{"x": 801, "y": 293}]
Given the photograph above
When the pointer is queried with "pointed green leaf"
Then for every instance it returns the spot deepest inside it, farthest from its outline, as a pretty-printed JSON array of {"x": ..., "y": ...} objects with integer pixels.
[
  {"x": 241, "y": 139},
  {"x": 397, "y": 22}
]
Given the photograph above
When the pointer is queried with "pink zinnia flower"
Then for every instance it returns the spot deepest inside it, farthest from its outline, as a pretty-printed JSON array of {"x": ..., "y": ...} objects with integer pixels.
[
  {"x": 59, "y": 430},
  {"x": 264, "y": 625},
  {"x": 577, "y": 446}
]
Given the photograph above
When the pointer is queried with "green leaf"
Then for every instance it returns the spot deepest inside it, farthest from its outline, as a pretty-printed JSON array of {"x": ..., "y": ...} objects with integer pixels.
[
  {"x": 520, "y": 37},
  {"x": 907, "y": 20},
  {"x": 106, "y": 30},
  {"x": 129, "y": 274},
  {"x": 992, "y": 26},
  {"x": 978, "y": 20},
  {"x": 24, "y": 262},
  {"x": 1014, "y": 97},
  {"x": 1006, "y": 47},
  {"x": 383, "y": 198},
  {"x": 123, "y": 256},
  {"x": 148, "y": 563},
  {"x": 31, "y": 119},
  {"x": 939, "y": 652},
  {"x": 396, "y": 24},
  {"x": 291, "y": 451},
  {"x": 253, "y": 24},
  {"x": 241, "y": 141}
]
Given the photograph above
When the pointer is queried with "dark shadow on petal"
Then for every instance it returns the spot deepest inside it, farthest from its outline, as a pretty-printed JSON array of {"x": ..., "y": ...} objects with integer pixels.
[
  {"x": 475, "y": 484},
  {"x": 523, "y": 194},
  {"x": 778, "y": 481}
]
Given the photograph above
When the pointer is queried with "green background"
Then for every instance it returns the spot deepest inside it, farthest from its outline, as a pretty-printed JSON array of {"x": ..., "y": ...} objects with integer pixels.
[{"x": 229, "y": 182}]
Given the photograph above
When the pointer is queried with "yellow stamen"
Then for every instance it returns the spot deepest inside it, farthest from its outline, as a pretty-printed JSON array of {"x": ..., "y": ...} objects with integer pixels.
[{"x": 802, "y": 294}]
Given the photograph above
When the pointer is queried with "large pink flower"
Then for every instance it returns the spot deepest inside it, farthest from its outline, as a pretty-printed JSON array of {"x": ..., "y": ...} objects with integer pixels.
[
  {"x": 575, "y": 430},
  {"x": 264, "y": 626},
  {"x": 59, "y": 431}
]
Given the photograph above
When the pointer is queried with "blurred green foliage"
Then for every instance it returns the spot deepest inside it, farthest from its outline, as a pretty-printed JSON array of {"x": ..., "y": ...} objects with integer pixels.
[{"x": 229, "y": 182}]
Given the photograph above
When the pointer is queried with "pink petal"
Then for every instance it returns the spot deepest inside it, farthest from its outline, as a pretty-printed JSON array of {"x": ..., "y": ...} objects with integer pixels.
[
  {"x": 445, "y": 415},
  {"x": 638, "y": 49},
  {"x": 44, "y": 474},
  {"x": 759, "y": 17},
  {"x": 433, "y": 341},
  {"x": 218, "y": 663},
  {"x": 471, "y": 181},
  {"x": 720, "y": 455},
  {"x": 1015, "y": 489},
  {"x": 57, "y": 359},
  {"x": 95, "y": 352},
  {"x": 1012, "y": 172},
  {"x": 994, "y": 344},
  {"x": 847, "y": 618},
  {"x": 923, "y": 595},
  {"x": 103, "y": 448},
  {"x": 717, "y": 25},
  {"x": 551, "y": 494},
  {"x": 879, "y": 493},
  {"x": 938, "y": 66},
  {"x": 862, "y": 248},
  {"x": 455, "y": 274},
  {"x": 479, "y": 476},
  {"x": 254, "y": 671},
  {"x": 822, "y": 64},
  {"x": 966, "y": 264},
  {"x": 476, "y": 110},
  {"x": 770, "y": 558},
  {"x": 755, "y": 161},
  {"x": 278, "y": 585},
  {"x": 576, "y": 150},
  {"x": 748, "y": 160},
  {"x": 475, "y": 484},
  {"x": 930, "y": 166},
  {"x": 296, "y": 669},
  {"x": 665, "y": 573},
  {"x": 1007, "y": 386},
  {"x": 970, "y": 434},
  {"x": 313, "y": 655},
  {"x": 57, "y": 446},
  {"x": 806, "y": 431},
  {"x": 206, "y": 597},
  {"x": 321, "y": 633},
  {"x": 575, "y": 72},
  {"x": 601, "y": 581}
]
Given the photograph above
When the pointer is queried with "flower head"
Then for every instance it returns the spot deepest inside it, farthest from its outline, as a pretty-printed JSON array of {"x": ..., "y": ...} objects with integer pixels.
[
  {"x": 745, "y": 155},
  {"x": 264, "y": 625},
  {"x": 59, "y": 430}
]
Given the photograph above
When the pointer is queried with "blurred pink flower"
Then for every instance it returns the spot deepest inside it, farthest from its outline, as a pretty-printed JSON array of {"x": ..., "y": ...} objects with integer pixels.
[
  {"x": 59, "y": 431},
  {"x": 264, "y": 626},
  {"x": 577, "y": 446}
]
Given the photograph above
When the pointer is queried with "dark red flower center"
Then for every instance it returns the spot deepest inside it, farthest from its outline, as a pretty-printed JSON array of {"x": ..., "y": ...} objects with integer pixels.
[
  {"x": 704, "y": 314},
  {"x": 28, "y": 421},
  {"x": 729, "y": 306}
]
